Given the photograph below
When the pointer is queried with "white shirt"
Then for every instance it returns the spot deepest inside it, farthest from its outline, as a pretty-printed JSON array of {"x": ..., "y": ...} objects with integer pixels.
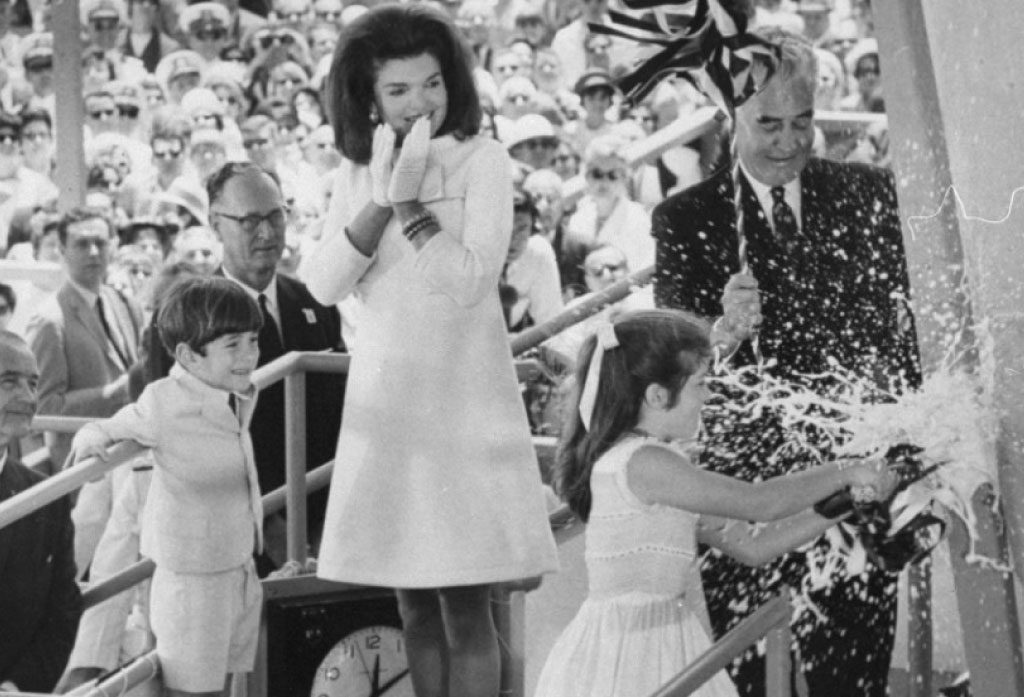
[
  {"x": 3, "y": 460},
  {"x": 270, "y": 292},
  {"x": 764, "y": 197}
]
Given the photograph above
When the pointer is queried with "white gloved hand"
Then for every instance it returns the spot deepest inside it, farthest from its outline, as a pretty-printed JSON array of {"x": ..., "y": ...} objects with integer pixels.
[
  {"x": 411, "y": 165},
  {"x": 381, "y": 154}
]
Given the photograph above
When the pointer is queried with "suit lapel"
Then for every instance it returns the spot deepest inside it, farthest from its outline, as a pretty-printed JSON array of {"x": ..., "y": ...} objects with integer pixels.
[
  {"x": 88, "y": 317},
  {"x": 7, "y": 533},
  {"x": 124, "y": 320},
  {"x": 295, "y": 317}
]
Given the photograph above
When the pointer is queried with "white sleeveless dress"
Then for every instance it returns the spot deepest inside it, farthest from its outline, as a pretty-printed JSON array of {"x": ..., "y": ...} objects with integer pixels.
[{"x": 644, "y": 619}]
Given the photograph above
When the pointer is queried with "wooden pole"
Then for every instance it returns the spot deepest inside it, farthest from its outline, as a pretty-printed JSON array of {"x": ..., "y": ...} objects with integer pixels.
[{"x": 67, "y": 60}]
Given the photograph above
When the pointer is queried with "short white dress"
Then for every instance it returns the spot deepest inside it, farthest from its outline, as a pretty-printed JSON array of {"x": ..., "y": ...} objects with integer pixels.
[
  {"x": 644, "y": 619},
  {"x": 435, "y": 481}
]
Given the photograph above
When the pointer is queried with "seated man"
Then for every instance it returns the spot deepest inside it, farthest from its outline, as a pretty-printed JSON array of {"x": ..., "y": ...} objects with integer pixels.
[{"x": 39, "y": 600}]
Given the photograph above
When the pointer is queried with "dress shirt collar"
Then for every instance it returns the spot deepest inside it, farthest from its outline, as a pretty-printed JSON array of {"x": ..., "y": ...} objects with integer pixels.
[
  {"x": 89, "y": 296},
  {"x": 270, "y": 291},
  {"x": 764, "y": 197},
  {"x": 208, "y": 393}
]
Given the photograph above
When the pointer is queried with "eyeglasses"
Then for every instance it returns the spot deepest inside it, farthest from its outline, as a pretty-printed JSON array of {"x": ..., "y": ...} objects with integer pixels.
[
  {"x": 255, "y": 143},
  {"x": 8, "y": 139},
  {"x": 167, "y": 151},
  {"x": 102, "y": 114},
  {"x": 128, "y": 111},
  {"x": 39, "y": 66},
  {"x": 601, "y": 269},
  {"x": 507, "y": 69},
  {"x": 600, "y": 174},
  {"x": 211, "y": 35},
  {"x": 329, "y": 15},
  {"x": 539, "y": 144},
  {"x": 105, "y": 24},
  {"x": 251, "y": 223},
  {"x": 289, "y": 81},
  {"x": 268, "y": 40},
  {"x": 519, "y": 98},
  {"x": 563, "y": 158}
]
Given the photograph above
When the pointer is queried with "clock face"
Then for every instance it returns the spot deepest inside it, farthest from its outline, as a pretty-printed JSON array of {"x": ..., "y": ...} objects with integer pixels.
[{"x": 369, "y": 662}]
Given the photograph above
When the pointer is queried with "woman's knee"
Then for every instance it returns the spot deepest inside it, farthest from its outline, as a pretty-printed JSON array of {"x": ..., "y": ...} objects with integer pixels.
[
  {"x": 467, "y": 615},
  {"x": 418, "y": 607}
]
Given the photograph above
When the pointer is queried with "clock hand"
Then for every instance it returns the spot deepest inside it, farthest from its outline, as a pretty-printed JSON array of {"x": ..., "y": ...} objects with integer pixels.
[
  {"x": 390, "y": 683},
  {"x": 375, "y": 680}
]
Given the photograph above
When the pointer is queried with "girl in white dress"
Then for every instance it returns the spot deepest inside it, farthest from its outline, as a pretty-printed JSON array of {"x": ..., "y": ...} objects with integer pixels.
[
  {"x": 623, "y": 467},
  {"x": 436, "y": 490}
]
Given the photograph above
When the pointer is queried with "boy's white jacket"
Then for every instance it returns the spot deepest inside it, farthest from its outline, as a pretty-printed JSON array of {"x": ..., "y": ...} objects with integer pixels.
[{"x": 204, "y": 512}]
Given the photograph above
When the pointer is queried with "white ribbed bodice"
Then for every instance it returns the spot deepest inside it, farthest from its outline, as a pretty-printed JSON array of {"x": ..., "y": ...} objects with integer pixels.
[{"x": 632, "y": 546}]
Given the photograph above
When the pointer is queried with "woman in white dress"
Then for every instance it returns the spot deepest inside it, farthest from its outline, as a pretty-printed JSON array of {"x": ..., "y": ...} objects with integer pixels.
[
  {"x": 436, "y": 490},
  {"x": 624, "y": 467}
]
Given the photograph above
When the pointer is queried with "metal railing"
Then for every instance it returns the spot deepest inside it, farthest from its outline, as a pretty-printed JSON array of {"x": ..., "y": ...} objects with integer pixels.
[{"x": 771, "y": 620}]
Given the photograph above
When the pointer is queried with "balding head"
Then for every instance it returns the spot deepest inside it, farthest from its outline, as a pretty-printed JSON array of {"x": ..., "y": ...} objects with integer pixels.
[{"x": 19, "y": 379}]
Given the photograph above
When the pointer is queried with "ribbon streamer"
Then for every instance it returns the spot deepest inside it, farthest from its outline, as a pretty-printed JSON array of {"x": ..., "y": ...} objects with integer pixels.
[{"x": 606, "y": 341}]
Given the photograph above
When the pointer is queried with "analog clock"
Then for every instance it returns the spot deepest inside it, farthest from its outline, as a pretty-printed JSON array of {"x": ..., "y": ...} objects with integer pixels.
[{"x": 369, "y": 662}]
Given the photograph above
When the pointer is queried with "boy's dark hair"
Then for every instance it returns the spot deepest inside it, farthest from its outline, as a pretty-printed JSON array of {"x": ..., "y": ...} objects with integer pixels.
[
  {"x": 79, "y": 214},
  {"x": 201, "y": 309},
  {"x": 384, "y": 33}
]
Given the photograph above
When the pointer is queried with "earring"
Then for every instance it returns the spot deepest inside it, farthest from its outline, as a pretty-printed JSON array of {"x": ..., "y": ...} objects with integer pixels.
[{"x": 374, "y": 116}]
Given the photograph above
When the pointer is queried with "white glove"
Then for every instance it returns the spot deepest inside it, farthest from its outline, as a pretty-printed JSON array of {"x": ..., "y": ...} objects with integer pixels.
[
  {"x": 411, "y": 165},
  {"x": 383, "y": 150}
]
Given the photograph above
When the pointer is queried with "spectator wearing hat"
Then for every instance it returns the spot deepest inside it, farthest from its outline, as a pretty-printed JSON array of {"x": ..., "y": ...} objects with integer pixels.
[
  {"x": 817, "y": 16},
  {"x": 128, "y": 121},
  {"x": 144, "y": 39},
  {"x": 226, "y": 84},
  {"x": 179, "y": 72},
  {"x": 104, "y": 21},
  {"x": 508, "y": 63},
  {"x": 205, "y": 28},
  {"x": 151, "y": 235},
  {"x": 597, "y": 93},
  {"x": 37, "y": 61},
  {"x": 517, "y": 97},
  {"x": 531, "y": 269},
  {"x": 862, "y": 64},
  {"x": 531, "y": 140},
  {"x": 531, "y": 24},
  {"x": 37, "y": 141},
  {"x": 323, "y": 38},
  {"x": 100, "y": 112},
  {"x": 270, "y": 45},
  {"x": 243, "y": 21},
  {"x": 185, "y": 204}
]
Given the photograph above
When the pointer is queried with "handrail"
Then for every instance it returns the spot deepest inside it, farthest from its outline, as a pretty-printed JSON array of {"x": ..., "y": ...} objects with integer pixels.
[
  {"x": 772, "y": 616},
  {"x": 273, "y": 502},
  {"x": 62, "y": 483},
  {"x": 142, "y": 669},
  {"x": 540, "y": 333}
]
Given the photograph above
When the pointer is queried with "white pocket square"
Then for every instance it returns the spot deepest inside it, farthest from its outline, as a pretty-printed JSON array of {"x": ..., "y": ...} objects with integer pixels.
[{"x": 310, "y": 315}]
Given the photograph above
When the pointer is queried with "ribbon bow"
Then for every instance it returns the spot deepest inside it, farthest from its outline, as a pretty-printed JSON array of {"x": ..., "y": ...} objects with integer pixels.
[{"x": 606, "y": 341}]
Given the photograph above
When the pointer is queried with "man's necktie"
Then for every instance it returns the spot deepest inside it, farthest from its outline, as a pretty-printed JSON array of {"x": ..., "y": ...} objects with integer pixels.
[
  {"x": 111, "y": 336},
  {"x": 783, "y": 219},
  {"x": 270, "y": 337},
  {"x": 233, "y": 403}
]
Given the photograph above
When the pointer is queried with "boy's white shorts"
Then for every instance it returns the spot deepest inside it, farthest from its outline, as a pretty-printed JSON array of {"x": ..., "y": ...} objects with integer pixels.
[{"x": 206, "y": 625}]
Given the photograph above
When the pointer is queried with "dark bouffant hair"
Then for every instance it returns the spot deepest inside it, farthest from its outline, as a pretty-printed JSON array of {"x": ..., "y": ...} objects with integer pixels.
[
  {"x": 663, "y": 347},
  {"x": 384, "y": 33},
  {"x": 200, "y": 309}
]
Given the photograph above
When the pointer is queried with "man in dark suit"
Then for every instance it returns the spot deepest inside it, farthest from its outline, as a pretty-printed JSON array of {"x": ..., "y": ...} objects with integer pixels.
[
  {"x": 827, "y": 280},
  {"x": 247, "y": 211},
  {"x": 39, "y": 600}
]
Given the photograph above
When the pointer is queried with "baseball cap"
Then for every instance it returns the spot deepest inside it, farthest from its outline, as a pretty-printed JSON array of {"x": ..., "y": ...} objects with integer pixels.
[{"x": 594, "y": 79}]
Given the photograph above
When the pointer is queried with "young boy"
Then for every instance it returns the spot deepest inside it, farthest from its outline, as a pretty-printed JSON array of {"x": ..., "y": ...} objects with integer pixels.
[{"x": 202, "y": 520}]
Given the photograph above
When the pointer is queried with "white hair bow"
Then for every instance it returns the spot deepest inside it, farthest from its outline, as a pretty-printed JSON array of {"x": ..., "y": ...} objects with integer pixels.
[{"x": 606, "y": 340}]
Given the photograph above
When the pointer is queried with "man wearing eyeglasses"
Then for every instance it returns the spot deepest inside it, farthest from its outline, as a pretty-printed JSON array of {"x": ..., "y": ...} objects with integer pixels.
[
  {"x": 20, "y": 187},
  {"x": 248, "y": 213},
  {"x": 205, "y": 26},
  {"x": 104, "y": 21},
  {"x": 328, "y": 11},
  {"x": 37, "y": 62}
]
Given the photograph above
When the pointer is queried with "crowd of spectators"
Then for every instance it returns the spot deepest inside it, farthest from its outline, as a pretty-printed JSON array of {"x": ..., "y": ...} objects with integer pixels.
[{"x": 173, "y": 91}]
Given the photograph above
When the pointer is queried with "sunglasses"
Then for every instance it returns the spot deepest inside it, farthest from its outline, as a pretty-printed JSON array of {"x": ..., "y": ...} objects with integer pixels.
[
  {"x": 105, "y": 24},
  {"x": 128, "y": 111},
  {"x": 251, "y": 223},
  {"x": 329, "y": 15},
  {"x": 602, "y": 269},
  {"x": 519, "y": 98},
  {"x": 601, "y": 175},
  {"x": 103, "y": 114},
  {"x": 256, "y": 143},
  {"x": 39, "y": 66},
  {"x": 9, "y": 139},
  {"x": 211, "y": 35},
  {"x": 268, "y": 40},
  {"x": 167, "y": 153}
]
